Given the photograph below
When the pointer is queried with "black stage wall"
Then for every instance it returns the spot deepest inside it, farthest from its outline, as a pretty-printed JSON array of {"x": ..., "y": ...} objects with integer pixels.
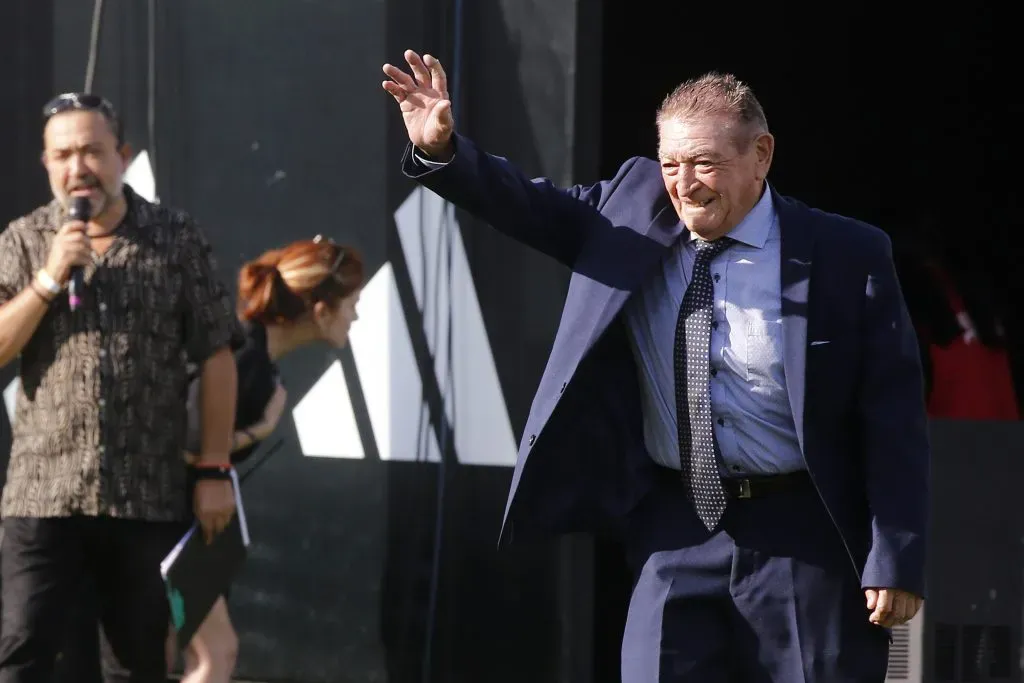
[
  {"x": 263, "y": 133},
  {"x": 269, "y": 126},
  {"x": 892, "y": 122},
  {"x": 973, "y": 622},
  {"x": 524, "y": 613},
  {"x": 267, "y": 122},
  {"x": 895, "y": 121},
  {"x": 26, "y": 68},
  {"x": 26, "y": 65}
]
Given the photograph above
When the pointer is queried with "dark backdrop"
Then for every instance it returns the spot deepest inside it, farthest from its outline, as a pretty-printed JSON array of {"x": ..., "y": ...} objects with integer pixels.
[
  {"x": 266, "y": 121},
  {"x": 261, "y": 135},
  {"x": 26, "y": 66},
  {"x": 270, "y": 125},
  {"x": 902, "y": 120},
  {"x": 898, "y": 119},
  {"x": 524, "y": 613}
]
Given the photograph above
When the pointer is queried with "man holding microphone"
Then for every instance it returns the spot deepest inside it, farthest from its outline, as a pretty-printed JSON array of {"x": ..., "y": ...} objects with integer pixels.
[{"x": 96, "y": 484}]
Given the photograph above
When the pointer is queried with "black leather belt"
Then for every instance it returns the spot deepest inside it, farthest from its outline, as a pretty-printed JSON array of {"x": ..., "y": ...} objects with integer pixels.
[{"x": 744, "y": 488}]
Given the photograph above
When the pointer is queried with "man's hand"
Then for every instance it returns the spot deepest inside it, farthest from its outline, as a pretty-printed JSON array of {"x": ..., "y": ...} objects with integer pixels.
[
  {"x": 71, "y": 247},
  {"x": 891, "y": 607},
  {"x": 423, "y": 99},
  {"x": 214, "y": 505}
]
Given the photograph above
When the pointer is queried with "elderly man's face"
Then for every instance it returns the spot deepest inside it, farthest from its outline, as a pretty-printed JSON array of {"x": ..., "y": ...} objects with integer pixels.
[{"x": 713, "y": 171}]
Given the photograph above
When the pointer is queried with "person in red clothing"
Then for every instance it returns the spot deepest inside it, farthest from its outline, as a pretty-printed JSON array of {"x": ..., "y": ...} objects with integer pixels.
[{"x": 964, "y": 347}]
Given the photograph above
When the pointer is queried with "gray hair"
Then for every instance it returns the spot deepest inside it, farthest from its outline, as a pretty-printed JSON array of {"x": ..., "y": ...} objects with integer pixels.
[{"x": 716, "y": 94}]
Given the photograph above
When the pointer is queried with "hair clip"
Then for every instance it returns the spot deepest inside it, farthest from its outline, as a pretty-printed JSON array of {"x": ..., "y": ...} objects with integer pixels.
[{"x": 339, "y": 259}]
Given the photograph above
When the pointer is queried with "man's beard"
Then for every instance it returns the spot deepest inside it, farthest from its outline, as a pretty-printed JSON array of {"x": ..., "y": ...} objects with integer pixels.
[{"x": 99, "y": 207}]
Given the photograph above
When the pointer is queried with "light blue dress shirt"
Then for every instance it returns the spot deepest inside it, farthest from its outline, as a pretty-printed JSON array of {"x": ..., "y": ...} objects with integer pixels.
[{"x": 749, "y": 401}]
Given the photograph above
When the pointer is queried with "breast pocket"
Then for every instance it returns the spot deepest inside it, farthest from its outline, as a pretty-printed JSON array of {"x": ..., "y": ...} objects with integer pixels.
[{"x": 764, "y": 359}]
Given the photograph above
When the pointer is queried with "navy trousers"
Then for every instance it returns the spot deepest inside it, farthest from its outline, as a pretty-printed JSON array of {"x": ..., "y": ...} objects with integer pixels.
[{"x": 770, "y": 597}]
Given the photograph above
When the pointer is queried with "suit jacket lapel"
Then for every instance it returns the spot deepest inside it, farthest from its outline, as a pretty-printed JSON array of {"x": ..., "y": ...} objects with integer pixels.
[
  {"x": 652, "y": 245},
  {"x": 666, "y": 227},
  {"x": 797, "y": 254}
]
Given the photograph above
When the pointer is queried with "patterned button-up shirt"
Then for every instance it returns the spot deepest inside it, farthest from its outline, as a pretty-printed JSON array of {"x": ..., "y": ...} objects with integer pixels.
[{"x": 100, "y": 419}]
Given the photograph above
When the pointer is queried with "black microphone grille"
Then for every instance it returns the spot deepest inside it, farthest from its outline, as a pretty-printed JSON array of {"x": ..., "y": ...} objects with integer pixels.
[{"x": 80, "y": 209}]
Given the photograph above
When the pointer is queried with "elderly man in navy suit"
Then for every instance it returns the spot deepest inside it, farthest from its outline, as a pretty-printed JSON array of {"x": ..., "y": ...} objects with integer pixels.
[{"x": 734, "y": 386}]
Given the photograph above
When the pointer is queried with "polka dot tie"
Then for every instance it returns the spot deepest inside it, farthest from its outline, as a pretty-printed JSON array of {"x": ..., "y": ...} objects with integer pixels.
[{"x": 692, "y": 358}]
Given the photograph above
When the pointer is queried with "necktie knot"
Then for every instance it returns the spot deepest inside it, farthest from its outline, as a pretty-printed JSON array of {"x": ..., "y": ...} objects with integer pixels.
[{"x": 709, "y": 250}]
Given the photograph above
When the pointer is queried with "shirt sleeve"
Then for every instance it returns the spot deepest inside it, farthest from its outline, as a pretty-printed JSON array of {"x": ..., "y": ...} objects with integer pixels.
[
  {"x": 210, "y": 321},
  {"x": 257, "y": 380},
  {"x": 15, "y": 269},
  {"x": 421, "y": 158}
]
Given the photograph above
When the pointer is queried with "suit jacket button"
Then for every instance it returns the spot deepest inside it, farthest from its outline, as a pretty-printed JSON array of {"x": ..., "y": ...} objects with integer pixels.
[{"x": 533, "y": 437}]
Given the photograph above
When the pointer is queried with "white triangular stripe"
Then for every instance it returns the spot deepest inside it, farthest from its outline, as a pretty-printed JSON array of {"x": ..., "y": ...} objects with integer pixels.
[
  {"x": 430, "y": 235},
  {"x": 11, "y": 397},
  {"x": 325, "y": 421},
  {"x": 388, "y": 374},
  {"x": 139, "y": 175}
]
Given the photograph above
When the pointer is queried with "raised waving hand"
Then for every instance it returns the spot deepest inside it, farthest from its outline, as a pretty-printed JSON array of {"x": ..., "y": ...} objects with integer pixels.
[{"x": 422, "y": 95}]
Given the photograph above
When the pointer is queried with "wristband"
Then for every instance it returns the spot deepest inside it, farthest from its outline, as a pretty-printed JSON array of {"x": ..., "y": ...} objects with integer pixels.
[
  {"x": 212, "y": 471},
  {"x": 47, "y": 282},
  {"x": 37, "y": 289}
]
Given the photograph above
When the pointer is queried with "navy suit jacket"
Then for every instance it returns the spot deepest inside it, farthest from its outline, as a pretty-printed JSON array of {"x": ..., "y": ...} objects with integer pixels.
[{"x": 851, "y": 359}]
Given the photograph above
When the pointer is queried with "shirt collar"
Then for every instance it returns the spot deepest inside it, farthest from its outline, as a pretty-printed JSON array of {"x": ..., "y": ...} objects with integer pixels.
[{"x": 756, "y": 226}]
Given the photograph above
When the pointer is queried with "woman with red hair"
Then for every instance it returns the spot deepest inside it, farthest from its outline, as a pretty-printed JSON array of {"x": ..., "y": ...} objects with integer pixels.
[{"x": 287, "y": 298}]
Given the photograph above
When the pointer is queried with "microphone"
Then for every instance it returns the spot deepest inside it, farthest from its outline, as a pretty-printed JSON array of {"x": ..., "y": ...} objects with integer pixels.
[{"x": 80, "y": 210}]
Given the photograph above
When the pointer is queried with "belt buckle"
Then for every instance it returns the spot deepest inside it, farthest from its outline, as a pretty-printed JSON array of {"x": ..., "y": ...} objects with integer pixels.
[{"x": 744, "y": 489}]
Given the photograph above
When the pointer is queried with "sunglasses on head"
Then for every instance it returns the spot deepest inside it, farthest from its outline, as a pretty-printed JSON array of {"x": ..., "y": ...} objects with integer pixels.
[
  {"x": 83, "y": 102},
  {"x": 339, "y": 259}
]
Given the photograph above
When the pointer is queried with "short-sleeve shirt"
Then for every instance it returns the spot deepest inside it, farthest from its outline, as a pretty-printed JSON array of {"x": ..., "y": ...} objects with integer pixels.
[
  {"x": 100, "y": 417},
  {"x": 257, "y": 379}
]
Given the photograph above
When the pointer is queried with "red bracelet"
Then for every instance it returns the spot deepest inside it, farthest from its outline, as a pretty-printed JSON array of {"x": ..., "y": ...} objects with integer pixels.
[
  {"x": 222, "y": 466},
  {"x": 208, "y": 470}
]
